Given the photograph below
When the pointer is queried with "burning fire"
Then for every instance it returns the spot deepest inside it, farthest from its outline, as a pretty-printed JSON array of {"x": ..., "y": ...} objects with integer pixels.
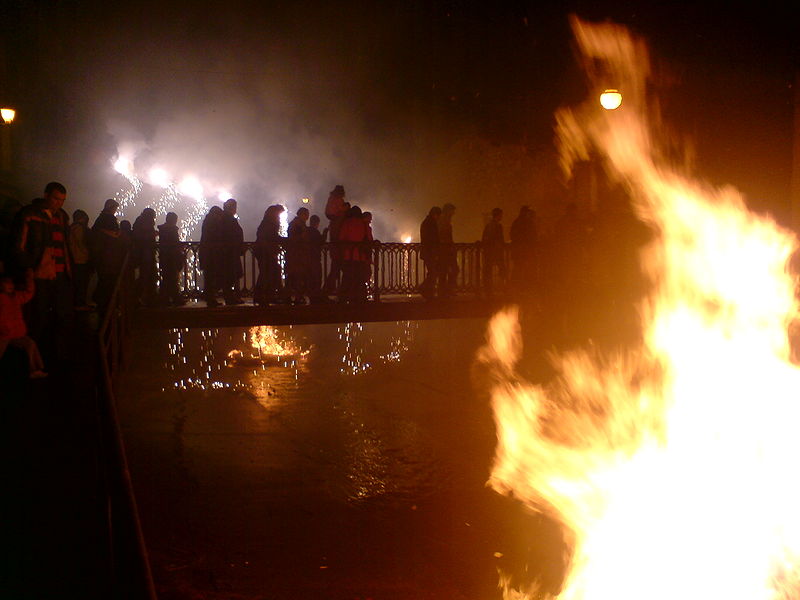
[
  {"x": 670, "y": 465},
  {"x": 266, "y": 341}
]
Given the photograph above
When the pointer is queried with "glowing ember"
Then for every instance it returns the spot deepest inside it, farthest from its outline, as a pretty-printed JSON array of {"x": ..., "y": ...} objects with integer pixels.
[{"x": 670, "y": 466}]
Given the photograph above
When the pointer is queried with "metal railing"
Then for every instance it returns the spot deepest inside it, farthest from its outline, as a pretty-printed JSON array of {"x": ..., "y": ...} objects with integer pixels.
[
  {"x": 131, "y": 576},
  {"x": 396, "y": 268}
]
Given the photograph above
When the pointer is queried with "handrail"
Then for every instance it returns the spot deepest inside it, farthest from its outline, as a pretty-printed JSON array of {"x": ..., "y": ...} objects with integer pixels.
[
  {"x": 396, "y": 268},
  {"x": 132, "y": 577}
]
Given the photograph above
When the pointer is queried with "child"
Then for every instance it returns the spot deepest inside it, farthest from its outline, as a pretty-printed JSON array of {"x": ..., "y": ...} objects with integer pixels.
[{"x": 13, "y": 331}]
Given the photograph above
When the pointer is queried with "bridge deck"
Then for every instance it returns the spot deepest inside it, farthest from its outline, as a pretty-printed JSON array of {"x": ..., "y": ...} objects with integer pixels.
[{"x": 393, "y": 308}]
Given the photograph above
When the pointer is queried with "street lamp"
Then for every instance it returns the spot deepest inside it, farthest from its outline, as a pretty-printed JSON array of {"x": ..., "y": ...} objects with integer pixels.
[
  {"x": 610, "y": 99},
  {"x": 7, "y": 115}
]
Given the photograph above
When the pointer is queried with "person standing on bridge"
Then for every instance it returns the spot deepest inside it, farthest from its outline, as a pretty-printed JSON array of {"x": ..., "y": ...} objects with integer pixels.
[
  {"x": 297, "y": 267},
  {"x": 316, "y": 239},
  {"x": 210, "y": 255},
  {"x": 13, "y": 331},
  {"x": 493, "y": 246},
  {"x": 269, "y": 285},
  {"x": 356, "y": 251},
  {"x": 171, "y": 260},
  {"x": 430, "y": 243},
  {"x": 232, "y": 252},
  {"x": 79, "y": 235},
  {"x": 448, "y": 261},
  {"x": 335, "y": 210},
  {"x": 108, "y": 252},
  {"x": 144, "y": 256},
  {"x": 41, "y": 243}
]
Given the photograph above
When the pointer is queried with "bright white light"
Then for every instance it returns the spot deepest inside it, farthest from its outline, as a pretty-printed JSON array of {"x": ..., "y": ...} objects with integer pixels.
[
  {"x": 191, "y": 186},
  {"x": 7, "y": 114},
  {"x": 223, "y": 195},
  {"x": 124, "y": 166},
  {"x": 407, "y": 239},
  {"x": 610, "y": 99},
  {"x": 158, "y": 176},
  {"x": 284, "y": 223},
  {"x": 306, "y": 200}
]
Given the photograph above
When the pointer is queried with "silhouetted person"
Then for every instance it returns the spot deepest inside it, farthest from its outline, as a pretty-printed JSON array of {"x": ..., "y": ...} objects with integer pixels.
[
  {"x": 13, "y": 331},
  {"x": 493, "y": 247},
  {"x": 448, "y": 261},
  {"x": 126, "y": 232},
  {"x": 316, "y": 239},
  {"x": 335, "y": 210},
  {"x": 79, "y": 247},
  {"x": 523, "y": 238},
  {"x": 297, "y": 267},
  {"x": 232, "y": 252},
  {"x": 355, "y": 257},
  {"x": 108, "y": 250},
  {"x": 171, "y": 261},
  {"x": 430, "y": 244},
  {"x": 144, "y": 255},
  {"x": 41, "y": 244},
  {"x": 211, "y": 255},
  {"x": 269, "y": 285}
]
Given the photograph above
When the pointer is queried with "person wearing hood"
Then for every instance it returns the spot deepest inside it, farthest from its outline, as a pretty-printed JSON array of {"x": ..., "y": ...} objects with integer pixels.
[{"x": 171, "y": 261}]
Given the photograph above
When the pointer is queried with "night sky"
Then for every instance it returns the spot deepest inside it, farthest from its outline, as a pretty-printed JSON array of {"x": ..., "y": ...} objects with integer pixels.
[{"x": 407, "y": 104}]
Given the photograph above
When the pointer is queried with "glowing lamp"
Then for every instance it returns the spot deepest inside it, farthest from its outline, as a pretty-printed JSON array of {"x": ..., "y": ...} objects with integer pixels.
[
  {"x": 610, "y": 99},
  {"x": 406, "y": 239},
  {"x": 8, "y": 115},
  {"x": 306, "y": 200}
]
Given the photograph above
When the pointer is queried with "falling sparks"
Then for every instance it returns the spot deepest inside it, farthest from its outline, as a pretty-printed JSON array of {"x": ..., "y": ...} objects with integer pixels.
[
  {"x": 357, "y": 345},
  {"x": 670, "y": 466},
  {"x": 203, "y": 375},
  {"x": 126, "y": 197}
]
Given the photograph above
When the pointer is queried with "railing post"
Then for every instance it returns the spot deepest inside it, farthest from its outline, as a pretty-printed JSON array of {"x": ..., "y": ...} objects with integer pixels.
[{"x": 376, "y": 288}]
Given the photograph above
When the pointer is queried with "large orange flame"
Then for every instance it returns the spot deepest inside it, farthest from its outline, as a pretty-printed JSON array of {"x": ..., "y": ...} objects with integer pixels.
[{"x": 670, "y": 466}]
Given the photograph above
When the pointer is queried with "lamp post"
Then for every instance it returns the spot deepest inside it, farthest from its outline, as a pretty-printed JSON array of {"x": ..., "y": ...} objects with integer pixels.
[{"x": 7, "y": 114}]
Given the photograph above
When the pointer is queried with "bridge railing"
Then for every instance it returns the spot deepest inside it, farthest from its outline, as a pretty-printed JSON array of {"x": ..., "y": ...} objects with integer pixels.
[
  {"x": 131, "y": 575},
  {"x": 396, "y": 268}
]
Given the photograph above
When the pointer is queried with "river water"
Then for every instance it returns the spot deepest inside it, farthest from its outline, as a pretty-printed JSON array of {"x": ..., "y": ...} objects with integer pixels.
[{"x": 354, "y": 467}]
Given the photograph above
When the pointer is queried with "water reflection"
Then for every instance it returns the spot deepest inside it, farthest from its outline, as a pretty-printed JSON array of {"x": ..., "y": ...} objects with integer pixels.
[
  {"x": 194, "y": 362},
  {"x": 360, "y": 346}
]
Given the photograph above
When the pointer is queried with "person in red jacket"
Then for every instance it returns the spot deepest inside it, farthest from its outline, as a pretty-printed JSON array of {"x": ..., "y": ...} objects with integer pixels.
[
  {"x": 353, "y": 236},
  {"x": 13, "y": 331}
]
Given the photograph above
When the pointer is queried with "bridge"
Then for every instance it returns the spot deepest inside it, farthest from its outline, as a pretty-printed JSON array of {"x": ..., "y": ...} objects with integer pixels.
[{"x": 396, "y": 274}]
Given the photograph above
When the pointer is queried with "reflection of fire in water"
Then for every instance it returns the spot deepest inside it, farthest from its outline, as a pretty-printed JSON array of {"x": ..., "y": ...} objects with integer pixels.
[
  {"x": 669, "y": 466},
  {"x": 269, "y": 346}
]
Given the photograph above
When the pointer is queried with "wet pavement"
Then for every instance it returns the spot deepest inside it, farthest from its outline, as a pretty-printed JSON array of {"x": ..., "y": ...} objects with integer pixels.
[{"x": 356, "y": 470}]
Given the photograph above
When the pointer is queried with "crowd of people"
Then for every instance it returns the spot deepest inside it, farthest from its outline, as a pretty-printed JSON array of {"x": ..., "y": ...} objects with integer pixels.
[
  {"x": 52, "y": 267},
  {"x": 298, "y": 277}
]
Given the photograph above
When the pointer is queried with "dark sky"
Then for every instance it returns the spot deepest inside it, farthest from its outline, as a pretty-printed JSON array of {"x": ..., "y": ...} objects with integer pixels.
[{"x": 407, "y": 104}]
